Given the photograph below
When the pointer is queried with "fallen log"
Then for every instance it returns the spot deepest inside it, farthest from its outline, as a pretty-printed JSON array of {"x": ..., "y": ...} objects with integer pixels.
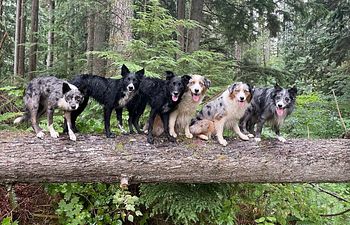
[{"x": 128, "y": 158}]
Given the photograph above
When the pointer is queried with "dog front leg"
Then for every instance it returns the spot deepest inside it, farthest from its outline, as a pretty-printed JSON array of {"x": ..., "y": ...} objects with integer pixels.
[
  {"x": 239, "y": 133},
  {"x": 53, "y": 133},
  {"x": 219, "y": 126},
  {"x": 107, "y": 120},
  {"x": 152, "y": 116},
  {"x": 165, "y": 120},
  {"x": 187, "y": 130},
  {"x": 259, "y": 128},
  {"x": 67, "y": 117},
  {"x": 172, "y": 121},
  {"x": 119, "y": 113},
  {"x": 278, "y": 135}
]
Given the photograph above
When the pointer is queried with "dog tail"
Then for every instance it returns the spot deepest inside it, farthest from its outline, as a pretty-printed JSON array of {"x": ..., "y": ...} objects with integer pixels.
[{"x": 21, "y": 119}]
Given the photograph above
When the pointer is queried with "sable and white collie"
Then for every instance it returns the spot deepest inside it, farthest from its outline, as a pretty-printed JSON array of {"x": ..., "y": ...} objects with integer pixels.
[
  {"x": 180, "y": 118},
  {"x": 224, "y": 111},
  {"x": 270, "y": 105}
]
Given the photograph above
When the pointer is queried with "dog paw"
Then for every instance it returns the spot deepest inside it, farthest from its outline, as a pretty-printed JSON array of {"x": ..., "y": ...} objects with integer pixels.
[
  {"x": 189, "y": 135},
  {"x": 54, "y": 134},
  {"x": 281, "y": 139},
  {"x": 244, "y": 137},
  {"x": 150, "y": 140},
  {"x": 72, "y": 136},
  {"x": 250, "y": 135},
  {"x": 172, "y": 133},
  {"x": 40, "y": 135},
  {"x": 171, "y": 139},
  {"x": 257, "y": 139},
  {"x": 110, "y": 135},
  {"x": 203, "y": 137},
  {"x": 223, "y": 142}
]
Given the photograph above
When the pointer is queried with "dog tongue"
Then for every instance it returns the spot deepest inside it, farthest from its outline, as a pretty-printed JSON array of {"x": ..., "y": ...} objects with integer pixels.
[
  {"x": 280, "y": 112},
  {"x": 195, "y": 98},
  {"x": 241, "y": 104},
  {"x": 174, "y": 98}
]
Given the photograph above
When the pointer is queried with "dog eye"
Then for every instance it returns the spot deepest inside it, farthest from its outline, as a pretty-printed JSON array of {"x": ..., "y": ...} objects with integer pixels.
[{"x": 286, "y": 99}]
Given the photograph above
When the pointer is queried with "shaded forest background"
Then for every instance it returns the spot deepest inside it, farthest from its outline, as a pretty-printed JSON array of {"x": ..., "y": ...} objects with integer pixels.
[{"x": 292, "y": 42}]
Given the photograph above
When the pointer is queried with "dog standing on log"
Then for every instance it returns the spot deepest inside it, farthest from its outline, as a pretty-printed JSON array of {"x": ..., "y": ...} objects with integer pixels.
[
  {"x": 271, "y": 105},
  {"x": 111, "y": 93},
  {"x": 224, "y": 111},
  {"x": 180, "y": 118},
  {"x": 45, "y": 94}
]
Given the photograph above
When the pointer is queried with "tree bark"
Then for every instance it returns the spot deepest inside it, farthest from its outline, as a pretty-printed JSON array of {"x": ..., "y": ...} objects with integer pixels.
[
  {"x": 17, "y": 35},
  {"x": 194, "y": 35},
  {"x": 50, "y": 34},
  {"x": 21, "y": 47},
  {"x": 181, "y": 30},
  {"x": 24, "y": 158},
  {"x": 90, "y": 41},
  {"x": 121, "y": 28},
  {"x": 100, "y": 40},
  {"x": 33, "y": 39}
]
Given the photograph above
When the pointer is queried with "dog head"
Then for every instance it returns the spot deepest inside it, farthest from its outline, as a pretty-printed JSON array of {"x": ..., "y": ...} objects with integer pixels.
[
  {"x": 241, "y": 93},
  {"x": 72, "y": 97},
  {"x": 283, "y": 99},
  {"x": 176, "y": 85},
  {"x": 198, "y": 85},
  {"x": 131, "y": 81}
]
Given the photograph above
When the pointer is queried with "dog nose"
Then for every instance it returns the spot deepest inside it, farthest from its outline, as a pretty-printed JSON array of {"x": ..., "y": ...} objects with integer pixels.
[
  {"x": 176, "y": 93},
  {"x": 73, "y": 106},
  {"x": 241, "y": 98},
  {"x": 196, "y": 90},
  {"x": 279, "y": 105},
  {"x": 131, "y": 88}
]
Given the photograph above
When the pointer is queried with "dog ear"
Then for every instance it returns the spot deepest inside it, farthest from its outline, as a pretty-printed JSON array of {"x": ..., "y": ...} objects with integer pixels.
[
  {"x": 207, "y": 82},
  {"x": 185, "y": 79},
  {"x": 169, "y": 75},
  {"x": 125, "y": 70},
  {"x": 232, "y": 87},
  {"x": 140, "y": 73},
  {"x": 293, "y": 91},
  {"x": 277, "y": 87},
  {"x": 65, "y": 88}
]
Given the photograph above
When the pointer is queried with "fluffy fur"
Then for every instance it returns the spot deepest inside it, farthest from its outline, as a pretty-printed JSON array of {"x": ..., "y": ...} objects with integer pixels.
[
  {"x": 111, "y": 93},
  {"x": 226, "y": 110},
  {"x": 163, "y": 96},
  {"x": 45, "y": 94},
  {"x": 270, "y": 105},
  {"x": 180, "y": 118}
]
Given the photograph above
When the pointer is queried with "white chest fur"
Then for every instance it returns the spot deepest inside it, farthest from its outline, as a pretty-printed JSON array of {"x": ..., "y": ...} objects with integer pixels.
[{"x": 126, "y": 98}]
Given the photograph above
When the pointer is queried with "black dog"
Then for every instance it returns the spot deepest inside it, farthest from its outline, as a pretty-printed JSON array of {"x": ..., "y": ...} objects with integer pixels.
[
  {"x": 111, "y": 93},
  {"x": 163, "y": 96},
  {"x": 270, "y": 105}
]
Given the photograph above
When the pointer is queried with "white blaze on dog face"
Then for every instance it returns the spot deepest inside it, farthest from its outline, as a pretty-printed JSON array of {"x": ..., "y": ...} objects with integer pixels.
[
  {"x": 241, "y": 93},
  {"x": 282, "y": 99},
  {"x": 198, "y": 86},
  {"x": 71, "y": 99}
]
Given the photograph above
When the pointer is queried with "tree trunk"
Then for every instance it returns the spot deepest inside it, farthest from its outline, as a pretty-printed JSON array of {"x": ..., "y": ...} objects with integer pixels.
[
  {"x": 90, "y": 41},
  {"x": 121, "y": 28},
  {"x": 17, "y": 36},
  {"x": 100, "y": 40},
  {"x": 181, "y": 15},
  {"x": 1, "y": 9},
  {"x": 25, "y": 158},
  {"x": 21, "y": 47},
  {"x": 50, "y": 34},
  {"x": 33, "y": 39},
  {"x": 194, "y": 35}
]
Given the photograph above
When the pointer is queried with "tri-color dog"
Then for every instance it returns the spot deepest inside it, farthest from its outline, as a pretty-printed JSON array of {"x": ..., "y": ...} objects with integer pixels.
[
  {"x": 180, "y": 118},
  {"x": 45, "y": 94},
  {"x": 270, "y": 105},
  {"x": 224, "y": 111}
]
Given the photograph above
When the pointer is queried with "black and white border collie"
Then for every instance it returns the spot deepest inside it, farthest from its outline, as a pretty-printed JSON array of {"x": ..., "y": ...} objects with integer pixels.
[
  {"x": 111, "y": 93},
  {"x": 163, "y": 96},
  {"x": 270, "y": 105}
]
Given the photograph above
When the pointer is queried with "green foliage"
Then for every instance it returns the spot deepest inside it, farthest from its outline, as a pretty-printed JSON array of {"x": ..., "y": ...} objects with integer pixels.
[
  {"x": 8, "y": 221},
  {"x": 95, "y": 204}
]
